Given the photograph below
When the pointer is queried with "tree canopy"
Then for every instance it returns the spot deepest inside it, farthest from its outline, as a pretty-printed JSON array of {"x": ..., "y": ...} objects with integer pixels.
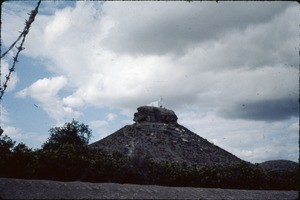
[{"x": 72, "y": 133}]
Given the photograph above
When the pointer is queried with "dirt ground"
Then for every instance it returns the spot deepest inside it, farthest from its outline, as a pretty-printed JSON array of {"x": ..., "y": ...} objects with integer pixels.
[{"x": 44, "y": 189}]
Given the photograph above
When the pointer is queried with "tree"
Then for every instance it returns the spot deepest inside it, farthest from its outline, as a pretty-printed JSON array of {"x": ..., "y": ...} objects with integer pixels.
[
  {"x": 6, "y": 146},
  {"x": 65, "y": 155},
  {"x": 23, "y": 162},
  {"x": 71, "y": 133}
]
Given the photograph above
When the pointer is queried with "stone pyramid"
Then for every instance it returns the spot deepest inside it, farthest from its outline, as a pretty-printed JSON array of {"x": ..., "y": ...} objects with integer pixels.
[{"x": 157, "y": 135}]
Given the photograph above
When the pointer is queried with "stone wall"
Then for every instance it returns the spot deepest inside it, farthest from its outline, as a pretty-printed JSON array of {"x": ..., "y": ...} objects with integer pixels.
[{"x": 155, "y": 115}]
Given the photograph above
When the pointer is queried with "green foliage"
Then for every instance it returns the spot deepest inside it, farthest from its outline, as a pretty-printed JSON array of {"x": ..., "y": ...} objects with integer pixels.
[
  {"x": 71, "y": 133},
  {"x": 105, "y": 167},
  {"x": 6, "y": 146},
  {"x": 64, "y": 163},
  {"x": 65, "y": 156},
  {"x": 22, "y": 160},
  {"x": 16, "y": 160},
  {"x": 283, "y": 180}
]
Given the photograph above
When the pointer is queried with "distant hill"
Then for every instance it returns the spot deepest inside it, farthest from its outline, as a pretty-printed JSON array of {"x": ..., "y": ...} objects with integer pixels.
[
  {"x": 157, "y": 135},
  {"x": 282, "y": 174},
  {"x": 279, "y": 165}
]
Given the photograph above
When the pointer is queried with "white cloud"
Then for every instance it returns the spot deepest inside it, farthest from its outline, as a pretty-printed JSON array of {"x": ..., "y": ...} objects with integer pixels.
[
  {"x": 98, "y": 123},
  {"x": 198, "y": 58},
  {"x": 74, "y": 100},
  {"x": 294, "y": 128},
  {"x": 18, "y": 135},
  {"x": 100, "y": 129},
  {"x": 4, "y": 115},
  {"x": 44, "y": 88},
  {"x": 111, "y": 116},
  {"x": 45, "y": 91},
  {"x": 13, "y": 132},
  {"x": 206, "y": 74},
  {"x": 164, "y": 27},
  {"x": 13, "y": 80},
  {"x": 13, "y": 17},
  {"x": 253, "y": 141},
  {"x": 59, "y": 26}
]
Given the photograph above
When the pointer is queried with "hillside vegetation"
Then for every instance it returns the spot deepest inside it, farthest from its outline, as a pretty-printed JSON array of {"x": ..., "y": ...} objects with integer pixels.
[{"x": 65, "y": 156}]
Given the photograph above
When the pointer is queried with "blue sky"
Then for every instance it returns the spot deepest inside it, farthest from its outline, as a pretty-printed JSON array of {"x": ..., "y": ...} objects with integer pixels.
[{"x": 228, "y": 70}]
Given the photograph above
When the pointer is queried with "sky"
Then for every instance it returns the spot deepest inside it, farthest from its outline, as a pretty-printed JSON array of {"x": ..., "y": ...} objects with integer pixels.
[{"x": 229, "y": 70}]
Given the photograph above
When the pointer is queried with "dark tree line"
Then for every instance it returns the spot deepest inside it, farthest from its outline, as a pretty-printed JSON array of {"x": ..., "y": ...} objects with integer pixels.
[{"x": 65, "y": 156}]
